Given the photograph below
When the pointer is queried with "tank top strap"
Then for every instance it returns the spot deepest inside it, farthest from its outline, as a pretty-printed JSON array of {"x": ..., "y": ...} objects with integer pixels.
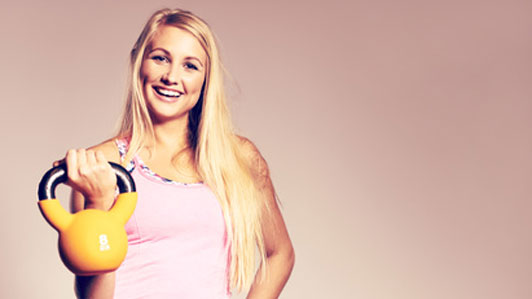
[{"x": 123, "y": 145}]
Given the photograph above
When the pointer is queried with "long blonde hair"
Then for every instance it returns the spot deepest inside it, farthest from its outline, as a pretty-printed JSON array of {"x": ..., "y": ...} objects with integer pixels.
[{"x": 217, "y": 155}]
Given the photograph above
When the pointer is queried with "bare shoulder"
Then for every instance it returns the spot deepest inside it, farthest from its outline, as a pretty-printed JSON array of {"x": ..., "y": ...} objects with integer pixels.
[
  {"x": 109, "y": 150},
  {"x": 249, "y": 150},
  {"x": 255, "y": 160}
]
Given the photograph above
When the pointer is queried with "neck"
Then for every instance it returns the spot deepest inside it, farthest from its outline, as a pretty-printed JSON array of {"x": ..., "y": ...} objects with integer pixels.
[{"x": 171, "y": 135}]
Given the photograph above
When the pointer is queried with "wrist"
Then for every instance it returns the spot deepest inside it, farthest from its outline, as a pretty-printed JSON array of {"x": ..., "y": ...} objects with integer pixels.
[{"x": 103, "y": 203}]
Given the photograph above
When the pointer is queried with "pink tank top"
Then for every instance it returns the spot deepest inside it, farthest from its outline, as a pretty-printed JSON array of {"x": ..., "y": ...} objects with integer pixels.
[{"x": 177, "y": 239}]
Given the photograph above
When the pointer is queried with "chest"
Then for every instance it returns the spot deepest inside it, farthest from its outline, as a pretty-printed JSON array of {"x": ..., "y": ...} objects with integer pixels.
[
  {"x": 179, "y": 168},
  {"x": 188, "y": 214}
]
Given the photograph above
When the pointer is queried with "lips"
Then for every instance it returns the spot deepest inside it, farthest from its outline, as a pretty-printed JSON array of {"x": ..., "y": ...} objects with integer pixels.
[{"x": 167, "y": 95}]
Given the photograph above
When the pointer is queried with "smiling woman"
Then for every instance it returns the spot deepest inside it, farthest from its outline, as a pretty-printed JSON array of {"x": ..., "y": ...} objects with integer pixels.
[
  {"x": 172, "y": 73},
  {"x": 206, "y": 201}
]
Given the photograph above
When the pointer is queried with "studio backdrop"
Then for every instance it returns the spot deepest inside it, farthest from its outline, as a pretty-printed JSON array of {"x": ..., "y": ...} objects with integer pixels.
[{"x": 398, "y": 134}]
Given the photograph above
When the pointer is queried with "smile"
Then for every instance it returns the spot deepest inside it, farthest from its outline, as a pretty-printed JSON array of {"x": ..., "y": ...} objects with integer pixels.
[{"x": 167, "y": 93}]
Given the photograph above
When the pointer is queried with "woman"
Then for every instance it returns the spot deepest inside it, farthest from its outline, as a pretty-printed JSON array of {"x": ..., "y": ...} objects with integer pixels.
[{"x": 206, "y": 201}]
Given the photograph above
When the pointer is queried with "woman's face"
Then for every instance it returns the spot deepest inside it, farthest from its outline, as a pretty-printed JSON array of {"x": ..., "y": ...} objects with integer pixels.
[{"x": 172, "y": 73}]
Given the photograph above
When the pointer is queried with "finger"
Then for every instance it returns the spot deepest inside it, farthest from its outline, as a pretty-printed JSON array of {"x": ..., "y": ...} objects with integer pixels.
[
  {"x": 100, "y": 157},
  {"x": 91, "y": 158},
  {"x": 72, "y": 163},
  {"x": 57, "y": 162},
  {"x": 82, "y": 161}
]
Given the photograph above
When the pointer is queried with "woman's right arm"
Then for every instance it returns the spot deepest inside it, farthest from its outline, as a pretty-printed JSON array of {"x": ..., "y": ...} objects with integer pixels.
[{"x": 93, "y": 186}]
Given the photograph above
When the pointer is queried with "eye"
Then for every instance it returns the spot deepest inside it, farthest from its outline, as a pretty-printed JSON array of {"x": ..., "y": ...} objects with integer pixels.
[
  {"x": 190, "y": 65},
  {"x": 160, "y": 58}
]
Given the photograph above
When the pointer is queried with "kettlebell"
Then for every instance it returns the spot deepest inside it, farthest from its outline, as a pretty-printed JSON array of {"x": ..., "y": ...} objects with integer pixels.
[{"x": 90, "y": 241}]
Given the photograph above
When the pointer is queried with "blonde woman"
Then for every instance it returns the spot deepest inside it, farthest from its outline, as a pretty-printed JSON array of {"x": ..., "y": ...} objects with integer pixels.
[{"x": 206, "y": 201}]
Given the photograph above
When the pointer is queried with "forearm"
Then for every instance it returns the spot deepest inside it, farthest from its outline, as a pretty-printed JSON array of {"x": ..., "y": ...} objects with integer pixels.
[
  {"x": 278, "y": 266},
  {"x": 95, "y": 287}
]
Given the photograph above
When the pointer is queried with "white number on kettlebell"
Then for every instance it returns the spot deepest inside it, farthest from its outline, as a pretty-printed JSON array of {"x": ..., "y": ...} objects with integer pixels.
[{"x": 104, "y": 243}]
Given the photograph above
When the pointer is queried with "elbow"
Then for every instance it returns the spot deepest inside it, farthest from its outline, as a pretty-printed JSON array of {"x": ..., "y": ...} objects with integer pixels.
[
  {"x": 288, "y": 259},
  {"x": 290, "y": 256},
  {"x": 286, "y": 255}
]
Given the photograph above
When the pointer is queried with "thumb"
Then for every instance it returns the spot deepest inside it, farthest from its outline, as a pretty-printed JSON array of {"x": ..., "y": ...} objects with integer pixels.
[{"x": 57, "y": 162}]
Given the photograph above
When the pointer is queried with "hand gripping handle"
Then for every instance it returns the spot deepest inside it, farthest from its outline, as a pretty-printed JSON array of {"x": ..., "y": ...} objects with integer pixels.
[{"x": 58, "y": 175}]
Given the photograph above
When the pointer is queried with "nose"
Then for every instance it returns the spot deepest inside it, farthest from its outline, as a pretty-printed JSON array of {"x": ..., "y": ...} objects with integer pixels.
[{"x": 171, "y": 77}]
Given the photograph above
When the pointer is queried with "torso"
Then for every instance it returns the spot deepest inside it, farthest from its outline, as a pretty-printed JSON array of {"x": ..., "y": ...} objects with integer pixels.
[{"x": 178, "y": 246}]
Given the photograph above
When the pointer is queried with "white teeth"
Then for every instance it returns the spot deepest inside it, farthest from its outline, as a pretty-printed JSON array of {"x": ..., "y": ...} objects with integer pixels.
[{"x": 168, "y": 93}]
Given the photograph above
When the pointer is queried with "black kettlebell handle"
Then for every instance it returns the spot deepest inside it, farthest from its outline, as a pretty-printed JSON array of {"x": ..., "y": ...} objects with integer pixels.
[{"x": 58, "y": 174}]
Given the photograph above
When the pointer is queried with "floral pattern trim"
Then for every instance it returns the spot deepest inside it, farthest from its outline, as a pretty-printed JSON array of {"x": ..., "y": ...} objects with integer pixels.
[{"x": 122, "y": 149}]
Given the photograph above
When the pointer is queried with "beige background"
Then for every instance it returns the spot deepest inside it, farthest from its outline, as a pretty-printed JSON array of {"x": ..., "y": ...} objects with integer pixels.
[{"x": 398, "y": 134}]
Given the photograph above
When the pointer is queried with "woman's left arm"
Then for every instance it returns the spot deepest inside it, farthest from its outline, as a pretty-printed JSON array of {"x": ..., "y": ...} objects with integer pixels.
[{"x": 280, "y": 255}]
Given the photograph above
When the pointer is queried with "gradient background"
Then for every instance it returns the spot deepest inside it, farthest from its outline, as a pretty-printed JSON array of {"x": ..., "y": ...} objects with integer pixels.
[{"x": 397, "y": 132}]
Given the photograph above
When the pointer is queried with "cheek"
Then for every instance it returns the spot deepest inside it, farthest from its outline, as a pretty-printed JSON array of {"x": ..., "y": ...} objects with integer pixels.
[
  {"x": 195, "y": 83},
  {"x": 142, "y": 73},
  {"x": 148, "y": 72}
]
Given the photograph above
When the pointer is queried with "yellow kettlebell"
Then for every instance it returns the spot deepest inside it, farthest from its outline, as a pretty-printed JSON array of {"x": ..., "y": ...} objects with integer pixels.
[{"x": 90, "y": 241}]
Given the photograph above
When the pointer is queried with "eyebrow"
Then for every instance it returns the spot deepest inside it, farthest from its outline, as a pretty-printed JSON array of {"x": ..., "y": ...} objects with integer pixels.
[
  {"x": 168, "y": 53},
  {"x": 161, "y": 49}
]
